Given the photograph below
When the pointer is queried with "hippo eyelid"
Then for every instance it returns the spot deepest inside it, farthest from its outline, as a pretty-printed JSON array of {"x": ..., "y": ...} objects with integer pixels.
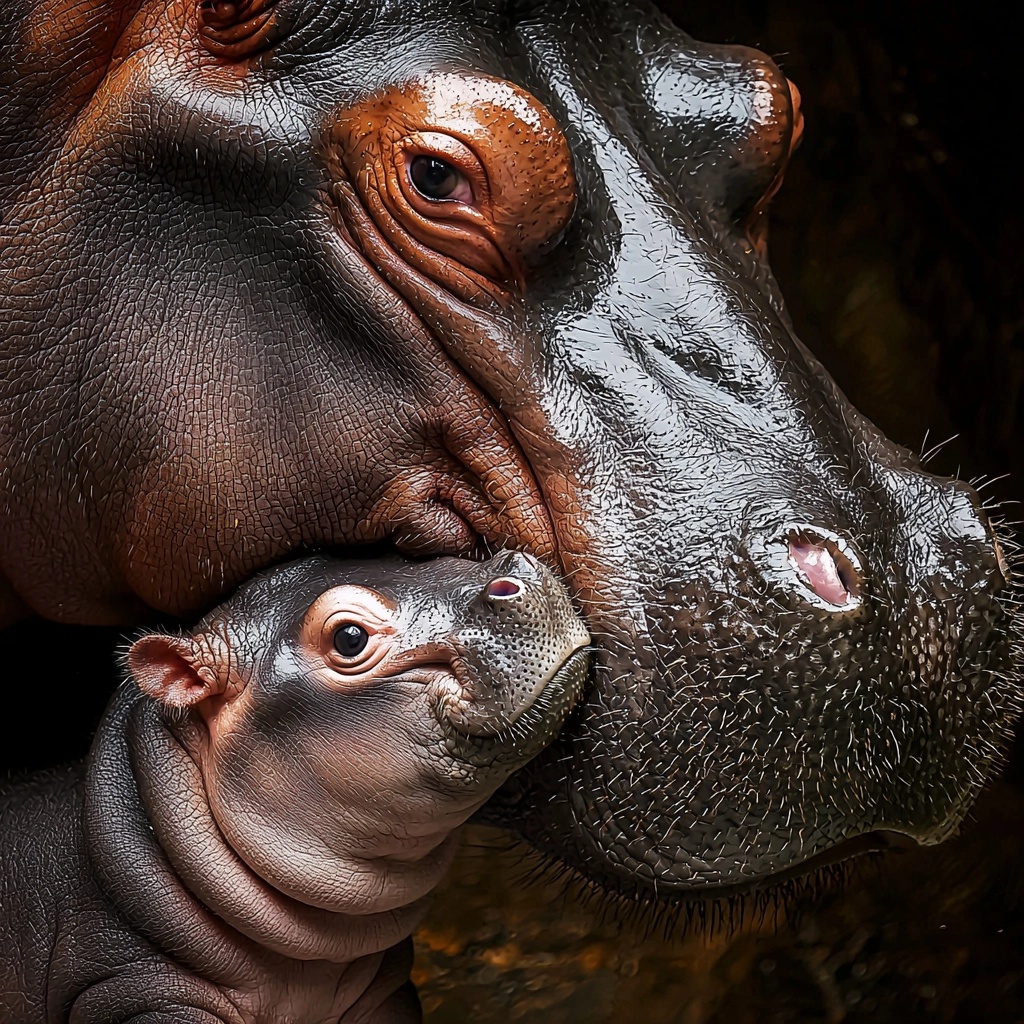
[
  {"x": 513, "y": 188},
  {"x": 368, "y": 605}
]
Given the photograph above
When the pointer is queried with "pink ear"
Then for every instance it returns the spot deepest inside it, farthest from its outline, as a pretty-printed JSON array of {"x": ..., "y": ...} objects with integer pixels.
[{"x": 174, "y": 670}]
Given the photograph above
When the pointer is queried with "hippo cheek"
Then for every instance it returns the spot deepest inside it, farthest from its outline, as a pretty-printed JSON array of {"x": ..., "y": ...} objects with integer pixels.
[
  {"x": 249, "y": 434},
  {"x": 265, "y": 403},
  {"x": 434, "y": 481},
  {"x": 213, "y": 484}
]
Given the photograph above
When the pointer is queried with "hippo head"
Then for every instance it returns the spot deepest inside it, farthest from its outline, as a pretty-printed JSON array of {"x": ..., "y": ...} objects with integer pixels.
[
  {"x": 379, "y": 704},
  {"x": 450, "y": 277}
]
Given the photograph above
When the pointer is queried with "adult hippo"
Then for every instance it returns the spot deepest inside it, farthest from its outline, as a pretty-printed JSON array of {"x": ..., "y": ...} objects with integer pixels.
[{"x": 445, "y": 277}]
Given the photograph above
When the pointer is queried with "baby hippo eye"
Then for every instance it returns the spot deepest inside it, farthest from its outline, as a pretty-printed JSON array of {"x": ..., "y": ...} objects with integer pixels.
[
  {"x": 437, "y": 179},
  {"x": 350, "y": 639}
]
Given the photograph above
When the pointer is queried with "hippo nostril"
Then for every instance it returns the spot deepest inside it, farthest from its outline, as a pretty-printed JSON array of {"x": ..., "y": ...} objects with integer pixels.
[
  {"x": 504, "y": 587},
  {"x": 825, "y": 569}
]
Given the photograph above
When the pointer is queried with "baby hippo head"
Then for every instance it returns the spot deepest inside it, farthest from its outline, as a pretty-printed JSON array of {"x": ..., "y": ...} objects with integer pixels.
[{"x": 356, "y": 713}]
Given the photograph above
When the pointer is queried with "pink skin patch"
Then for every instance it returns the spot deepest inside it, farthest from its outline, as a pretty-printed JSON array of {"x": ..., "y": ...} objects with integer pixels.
[
  {"x": 504, "y": 586},
  {"x": 818, "y": 566}
]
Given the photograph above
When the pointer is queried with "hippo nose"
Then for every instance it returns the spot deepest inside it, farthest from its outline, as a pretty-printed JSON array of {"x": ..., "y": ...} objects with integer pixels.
[
  {"x": 952, "y": 545},
  {"x": 503, "y": 588},
  {"x": 934, "y": 540},
  {"x": 826, "y": 566}
]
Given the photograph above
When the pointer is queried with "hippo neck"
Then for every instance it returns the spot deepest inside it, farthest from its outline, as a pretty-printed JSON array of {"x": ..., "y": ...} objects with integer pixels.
[{"x": 160, "y": 857}]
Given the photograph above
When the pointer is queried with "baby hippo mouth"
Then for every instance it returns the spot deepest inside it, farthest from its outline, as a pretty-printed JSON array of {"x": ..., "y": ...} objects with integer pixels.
[
  {"x": 546, "y": 698},
  {"x": 477, "y": 732}
]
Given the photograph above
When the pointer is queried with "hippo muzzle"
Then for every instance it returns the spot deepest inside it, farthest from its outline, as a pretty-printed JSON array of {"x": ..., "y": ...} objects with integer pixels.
[{"x": 506, "y": 289}]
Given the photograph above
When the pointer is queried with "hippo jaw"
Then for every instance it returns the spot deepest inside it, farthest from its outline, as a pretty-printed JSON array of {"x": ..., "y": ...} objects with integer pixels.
[
  {"x": 770, "y": 773},
  {"x": 535, "y": 723}
]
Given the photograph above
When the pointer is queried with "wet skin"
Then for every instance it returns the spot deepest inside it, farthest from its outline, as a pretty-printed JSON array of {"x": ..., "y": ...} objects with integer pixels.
[
  {"x": 257, "y": 842},
  {"x": 452, "y": 276}
]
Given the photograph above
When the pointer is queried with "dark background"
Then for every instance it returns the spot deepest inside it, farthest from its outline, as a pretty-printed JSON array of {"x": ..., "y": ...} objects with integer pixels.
[{"x": 896, "y": 242}]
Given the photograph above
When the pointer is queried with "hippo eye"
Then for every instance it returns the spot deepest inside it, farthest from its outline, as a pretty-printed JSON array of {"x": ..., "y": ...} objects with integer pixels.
[
  {"x": 350, "y": 639},
  {"x": 435, "y": 178}
]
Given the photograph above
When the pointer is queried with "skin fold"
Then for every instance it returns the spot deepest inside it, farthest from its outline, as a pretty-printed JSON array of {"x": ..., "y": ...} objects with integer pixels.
[
  {"x": 246, "y": 315},
  {"x": 257, "y": 841}
]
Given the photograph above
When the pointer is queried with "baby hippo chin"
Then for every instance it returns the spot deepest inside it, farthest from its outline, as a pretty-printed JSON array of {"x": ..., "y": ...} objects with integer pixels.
[{"x": 255, "y": 834}]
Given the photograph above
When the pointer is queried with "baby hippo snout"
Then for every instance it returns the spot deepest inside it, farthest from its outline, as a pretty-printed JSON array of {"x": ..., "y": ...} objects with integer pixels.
[{"x": 520, "y": 653}]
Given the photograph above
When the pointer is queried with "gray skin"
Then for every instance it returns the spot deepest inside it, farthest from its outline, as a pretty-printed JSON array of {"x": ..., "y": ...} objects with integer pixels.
[
  {"x": 255, "y": 840},
  {"x": 221, "y": 349}
]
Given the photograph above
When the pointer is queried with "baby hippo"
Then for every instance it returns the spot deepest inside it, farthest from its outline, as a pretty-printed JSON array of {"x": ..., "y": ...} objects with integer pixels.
[{"x": 271, "y": 798}]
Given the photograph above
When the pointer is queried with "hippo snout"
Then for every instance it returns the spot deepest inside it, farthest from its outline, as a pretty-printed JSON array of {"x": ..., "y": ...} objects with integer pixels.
[
  {"x": 931, "y": 535},
  {"x": 823, "y": 666},
  {"x": 522, "y": 648}
]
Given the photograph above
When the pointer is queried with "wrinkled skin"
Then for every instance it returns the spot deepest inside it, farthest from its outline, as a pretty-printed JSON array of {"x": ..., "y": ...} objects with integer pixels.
[
  {"x": 257, "y": 841},
  {"x": 270, "y": 340}
]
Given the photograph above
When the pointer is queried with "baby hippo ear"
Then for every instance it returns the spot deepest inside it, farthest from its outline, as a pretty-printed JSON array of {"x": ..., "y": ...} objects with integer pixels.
[{"x": 178, "y": 671}]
